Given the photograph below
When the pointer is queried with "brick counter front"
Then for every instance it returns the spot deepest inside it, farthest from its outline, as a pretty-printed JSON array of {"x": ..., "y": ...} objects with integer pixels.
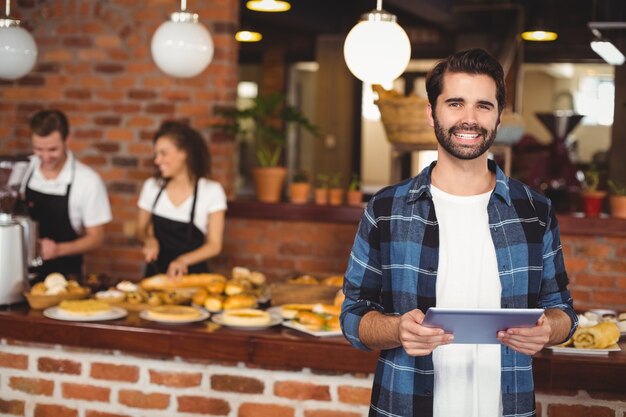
[{"x": 130, "y": 367}]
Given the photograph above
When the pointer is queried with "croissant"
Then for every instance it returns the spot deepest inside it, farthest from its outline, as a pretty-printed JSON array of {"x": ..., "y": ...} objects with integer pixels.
[{"x": 600, "y": 336}]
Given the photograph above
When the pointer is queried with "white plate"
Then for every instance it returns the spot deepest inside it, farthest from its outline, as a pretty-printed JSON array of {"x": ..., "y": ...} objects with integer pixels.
[
  {"x": 274, "y": 320},
  {"x": 581, "y": 351},
  {"x": 203, "y": 316},
  {"x": 319, "y": 333},
  {"x": 58, "y": 314}
]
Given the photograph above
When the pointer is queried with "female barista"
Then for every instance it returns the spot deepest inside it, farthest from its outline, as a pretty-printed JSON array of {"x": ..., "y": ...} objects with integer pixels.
[{"x": 181, "y": 216}]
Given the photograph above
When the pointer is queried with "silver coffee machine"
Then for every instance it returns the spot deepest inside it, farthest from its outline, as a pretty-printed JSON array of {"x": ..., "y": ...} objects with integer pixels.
[{"x": 18, "y": 236}]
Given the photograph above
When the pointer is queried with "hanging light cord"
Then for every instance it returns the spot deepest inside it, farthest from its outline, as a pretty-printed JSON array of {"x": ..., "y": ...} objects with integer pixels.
[
  {"x": 7, "y": 8},
  {"x": 183, "y": 5},
  {"x": 379, "y": 4}
]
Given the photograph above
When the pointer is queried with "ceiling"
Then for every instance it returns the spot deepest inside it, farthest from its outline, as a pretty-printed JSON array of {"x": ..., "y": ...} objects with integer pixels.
[{"x": 439, "y": 27}]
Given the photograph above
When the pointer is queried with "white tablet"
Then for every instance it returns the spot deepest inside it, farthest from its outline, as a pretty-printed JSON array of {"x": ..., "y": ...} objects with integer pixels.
[{"x": 480, "y": 325}]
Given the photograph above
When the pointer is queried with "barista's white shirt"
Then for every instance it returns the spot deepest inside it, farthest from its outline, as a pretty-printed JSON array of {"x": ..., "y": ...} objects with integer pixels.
[
  {"x": 467, "y": 377},
  {"x": 211, "y": 198},
  {"x": 88, "y": 200}
]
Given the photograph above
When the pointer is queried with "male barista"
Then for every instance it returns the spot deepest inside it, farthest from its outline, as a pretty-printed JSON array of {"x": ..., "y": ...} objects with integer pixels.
[{"x": 67, "y": 198}]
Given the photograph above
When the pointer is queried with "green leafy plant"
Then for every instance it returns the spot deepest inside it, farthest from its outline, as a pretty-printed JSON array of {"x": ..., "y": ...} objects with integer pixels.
[
  {"x": 269, "y": 115},
  {"x": 322, "y": 180},
  {"x": 617, "y": 188},
  {"x": 355, "y": 184},
  {"x": 300, "y": 176},
  {"x": 592, "y": 179},
  {"x": 335, "y": 180}
]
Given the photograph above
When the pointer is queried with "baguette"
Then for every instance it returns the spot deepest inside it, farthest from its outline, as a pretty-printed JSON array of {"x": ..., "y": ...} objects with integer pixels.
[{"x": 163, "y": 282}]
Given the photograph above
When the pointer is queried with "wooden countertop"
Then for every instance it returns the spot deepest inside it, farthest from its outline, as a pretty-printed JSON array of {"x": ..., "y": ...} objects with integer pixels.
[
  {"x": 277, "y": 347},
  {"x": 570, "y": 224}
]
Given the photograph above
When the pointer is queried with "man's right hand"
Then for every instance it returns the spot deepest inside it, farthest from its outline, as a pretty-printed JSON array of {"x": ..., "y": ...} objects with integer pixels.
[
  {"x": 150, "y": 249},
  {"x": 418, "y": 340}
]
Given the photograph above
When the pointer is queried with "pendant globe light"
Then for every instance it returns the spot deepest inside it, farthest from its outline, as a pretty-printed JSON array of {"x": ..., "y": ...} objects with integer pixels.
[
  {"x": 182, "y": 47},
  {"x": 18, "y": 51},
  {"x": 377, "y": 50}
]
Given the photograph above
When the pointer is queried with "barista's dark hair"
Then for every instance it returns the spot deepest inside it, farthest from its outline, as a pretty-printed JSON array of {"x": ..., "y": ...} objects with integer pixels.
[
  {"x": 192, "y": 143},
  {"x": 472, "y": 61},
  {"x": 44, "y": 122}
]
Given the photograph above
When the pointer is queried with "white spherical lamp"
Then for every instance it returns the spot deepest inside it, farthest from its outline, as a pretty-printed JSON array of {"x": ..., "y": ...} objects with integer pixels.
[
  {"x": 182, "y": 47},
  {"x": 18, "y": 51},
  {"x": 377, "y": 50}
]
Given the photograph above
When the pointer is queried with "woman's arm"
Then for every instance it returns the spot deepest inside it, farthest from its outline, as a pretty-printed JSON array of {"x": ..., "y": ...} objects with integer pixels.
[
  {"x": 211, "y": 247},
  {"x": 145, "y": 235}
]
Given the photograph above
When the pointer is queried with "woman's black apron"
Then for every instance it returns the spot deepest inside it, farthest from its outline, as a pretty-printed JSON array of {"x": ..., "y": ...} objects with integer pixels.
[
  {"x": 52, "y": 214},
  {"x": 176, "y": 238}
]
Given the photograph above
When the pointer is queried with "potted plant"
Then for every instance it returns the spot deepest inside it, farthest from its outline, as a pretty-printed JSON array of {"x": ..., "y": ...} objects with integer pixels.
[
  {"x": 299, "y": 189},
  {"x": 592, "y": 196},
  {"x": 321, "y": 189},
  {"x": 335, "y": 191},
  {"x": 265, "y": 122},
  {"x": 617, "y": 199},
  {"x": 355, "y": 195}
]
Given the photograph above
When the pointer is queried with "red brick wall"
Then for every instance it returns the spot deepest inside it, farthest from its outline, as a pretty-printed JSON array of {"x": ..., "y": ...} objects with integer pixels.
[
  {"x": 94, "y": 63},
  {"x": 41, "y": 380}
]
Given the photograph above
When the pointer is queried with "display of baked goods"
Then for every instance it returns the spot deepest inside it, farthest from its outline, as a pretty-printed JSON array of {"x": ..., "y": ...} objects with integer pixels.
[
  {"x": 597, "y": 330},
  {"x": 88, "y": 307},
  {"x": 54, "y": 289},
  {"x": 132, "y": 296}
]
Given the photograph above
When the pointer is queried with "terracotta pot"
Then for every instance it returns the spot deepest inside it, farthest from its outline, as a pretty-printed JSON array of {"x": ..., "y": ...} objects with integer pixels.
[
  {"x": 321, "y": 196},
  {"x": 335, "y": 196},
  {"x": 299, "y": 192},
  {"x": 269, "y": 183},
  {"x": 592, "y": 202},
  {"x": 354, "y": 197},
  {"x": 618, "y": 206}
]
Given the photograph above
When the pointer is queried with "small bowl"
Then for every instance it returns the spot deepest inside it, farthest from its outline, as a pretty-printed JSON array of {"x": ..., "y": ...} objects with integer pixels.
[{"x": 40, "y": 302}]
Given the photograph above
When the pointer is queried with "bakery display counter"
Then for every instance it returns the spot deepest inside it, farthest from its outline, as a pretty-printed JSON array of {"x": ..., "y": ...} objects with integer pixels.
[{"x": 276, "y": 348}]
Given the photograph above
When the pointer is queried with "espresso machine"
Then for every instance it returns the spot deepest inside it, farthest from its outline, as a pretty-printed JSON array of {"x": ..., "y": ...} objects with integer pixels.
[{"x": 18, "y": 236}]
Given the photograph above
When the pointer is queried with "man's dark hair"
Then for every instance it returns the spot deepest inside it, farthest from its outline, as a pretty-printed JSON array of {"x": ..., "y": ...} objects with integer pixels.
[
  {"x": 472, "y": 61},
  {"x": 44, "y": 122},
  {"x": 191, "y": 142}
]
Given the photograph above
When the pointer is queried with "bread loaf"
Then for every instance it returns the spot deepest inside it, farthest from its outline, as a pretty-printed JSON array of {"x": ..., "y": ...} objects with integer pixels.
[{"x": 163, "y": 282}]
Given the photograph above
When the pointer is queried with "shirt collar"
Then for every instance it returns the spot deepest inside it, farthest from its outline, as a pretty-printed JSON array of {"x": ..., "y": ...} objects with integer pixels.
[
  {"x": 421, "y": 183},
  {"x": 65, "y": 175}
]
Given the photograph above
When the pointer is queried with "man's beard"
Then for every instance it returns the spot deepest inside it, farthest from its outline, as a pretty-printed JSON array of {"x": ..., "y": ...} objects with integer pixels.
[{"x": 458, "y": 150}]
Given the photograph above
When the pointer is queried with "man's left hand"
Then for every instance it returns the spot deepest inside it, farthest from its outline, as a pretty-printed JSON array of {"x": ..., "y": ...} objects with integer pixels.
[{"x": 527, "y": 340}]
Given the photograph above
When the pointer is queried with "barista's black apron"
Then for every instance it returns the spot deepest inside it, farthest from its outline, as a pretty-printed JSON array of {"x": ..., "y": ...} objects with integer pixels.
[
  {"x": 176, "y": 238},
  {"x": 52, "y": 214}
]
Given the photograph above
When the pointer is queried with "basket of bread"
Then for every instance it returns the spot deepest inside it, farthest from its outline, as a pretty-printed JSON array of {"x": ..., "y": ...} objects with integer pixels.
[
  {"x": 306, "y": 288},
  {"x": 53, "y": 290}
]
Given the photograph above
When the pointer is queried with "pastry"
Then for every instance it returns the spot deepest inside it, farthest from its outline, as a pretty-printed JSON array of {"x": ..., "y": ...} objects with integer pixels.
[
  {"x": 246, "y": 317},
  {"x": 84, "y": 307},
  {"x": 289, "y": 311},
  {"x": 304, "y": 279},
  {"x": 163, "y": 282},
  {"x": 310, "y": 320},
  {"x": 332, "y": 324},
  {"x": 213, "y": 303},
  {"x": 333, "y": 281},
  {"x": 239, "y": 301},
  {"x": 111, "y": 296},
  {"x": 216, "y": 287},
  {"x": 257, "y": 278},
  {"x": 55, "y": 279},
  {"x": 173, "y": 313},
  {"x": 199, "y": 297},
  {"x": 600, "y": 336},
  {"x": 234, "y": 287},
  {"x": 332, "y": 310},
  {"x": 240, "y": 272},
  {"x": 339, "y": 298}
]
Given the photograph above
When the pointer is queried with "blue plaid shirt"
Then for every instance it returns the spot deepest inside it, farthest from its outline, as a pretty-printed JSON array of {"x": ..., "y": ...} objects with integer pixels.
[{"x": 393, "y": 269}]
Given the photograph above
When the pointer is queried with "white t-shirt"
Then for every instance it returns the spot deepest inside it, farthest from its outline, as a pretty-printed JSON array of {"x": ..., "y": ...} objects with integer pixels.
[
  {"x": 467, "y": 376},
  {"x": 88, "y": 200},
  {"x": 211, "y": 198}
]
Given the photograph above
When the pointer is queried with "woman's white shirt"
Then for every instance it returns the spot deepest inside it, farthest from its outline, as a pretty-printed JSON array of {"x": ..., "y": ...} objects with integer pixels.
[
  {"x": 211, "y": 198},
  {"x": 88, "y": 200}
]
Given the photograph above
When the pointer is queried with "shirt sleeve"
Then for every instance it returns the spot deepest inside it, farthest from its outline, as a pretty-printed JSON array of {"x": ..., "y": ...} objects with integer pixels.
[
  {"x": 96, "y": 210},
  {"x": 363, "y": 278},
  {"x": 554, "y": 293},
  {"x": 217, "y": 197},
  {"x": 147, "y": 195}
]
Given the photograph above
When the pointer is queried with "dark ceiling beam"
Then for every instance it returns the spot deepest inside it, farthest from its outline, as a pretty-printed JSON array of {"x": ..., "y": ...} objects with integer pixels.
[{"x": 438, "y": 12}]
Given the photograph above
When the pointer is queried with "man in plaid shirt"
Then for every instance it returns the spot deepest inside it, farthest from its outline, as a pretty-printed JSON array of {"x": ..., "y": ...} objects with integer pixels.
[{"x": 460, "y": 234}]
